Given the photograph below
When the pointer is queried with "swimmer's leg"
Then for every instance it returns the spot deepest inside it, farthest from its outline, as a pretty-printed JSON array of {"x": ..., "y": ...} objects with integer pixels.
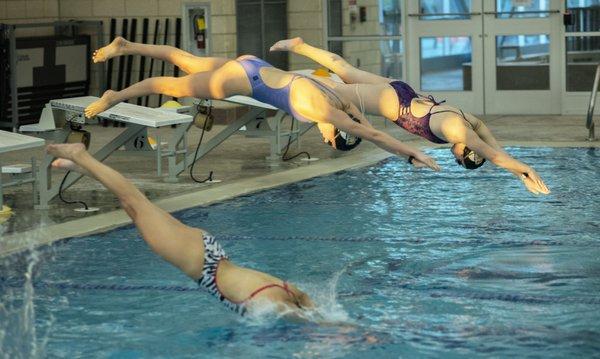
[
  {"x": 175, "y": 242},
  {"x": 333, "y": 62},
  {"x": 184, "y": 60},
  {"x": 227, "y": 80}
]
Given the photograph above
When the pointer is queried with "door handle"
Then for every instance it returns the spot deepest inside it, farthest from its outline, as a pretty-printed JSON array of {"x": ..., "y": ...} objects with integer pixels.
[
  {"x": 521, "y": 12},
  {"x": 420, "y": 14}
]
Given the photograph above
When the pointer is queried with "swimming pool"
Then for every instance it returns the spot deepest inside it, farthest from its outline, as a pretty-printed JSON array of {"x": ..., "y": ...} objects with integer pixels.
[{"x": 457, "y": 263}]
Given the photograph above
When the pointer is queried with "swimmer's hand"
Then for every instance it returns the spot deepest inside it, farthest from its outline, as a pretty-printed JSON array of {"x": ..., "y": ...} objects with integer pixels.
[
  {"x": 422, "y": 160},
  {"x": 534, "y": 182}
]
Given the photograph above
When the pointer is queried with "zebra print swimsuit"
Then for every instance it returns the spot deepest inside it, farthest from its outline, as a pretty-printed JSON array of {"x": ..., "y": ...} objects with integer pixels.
[{"x": 213, "y": 254}]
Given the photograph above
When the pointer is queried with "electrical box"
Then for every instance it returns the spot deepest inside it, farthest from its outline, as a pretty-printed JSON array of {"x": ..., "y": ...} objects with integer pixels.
[{"x": 196, "y": 28}]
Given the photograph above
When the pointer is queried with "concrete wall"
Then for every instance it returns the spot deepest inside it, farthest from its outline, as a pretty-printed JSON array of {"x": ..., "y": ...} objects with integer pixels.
[
  {"x": 26, "y": 11},
  {"x": 305, "y": 19}
]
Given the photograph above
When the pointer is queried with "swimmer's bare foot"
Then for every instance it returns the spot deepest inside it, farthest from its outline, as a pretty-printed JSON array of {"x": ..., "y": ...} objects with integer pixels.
[
  {"x": 286, "y": 45},
  {"x": 68, "y": 165},
  {"x": 115, "y": 48},
  {"x": 104, "y": 103},
  {"x": 67, "y": 151}
]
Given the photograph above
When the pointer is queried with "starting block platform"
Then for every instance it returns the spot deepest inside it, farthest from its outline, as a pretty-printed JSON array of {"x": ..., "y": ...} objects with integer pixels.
[
  {"x": 253, "y": 123},
  {"x": 21, "y": 173},
  {"x": 138, "y": 120},
  {"x": 123, "y": 112}
]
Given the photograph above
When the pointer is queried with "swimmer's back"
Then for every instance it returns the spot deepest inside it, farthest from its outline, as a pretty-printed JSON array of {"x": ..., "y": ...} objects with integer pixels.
[{"x": 240, "y": 284}]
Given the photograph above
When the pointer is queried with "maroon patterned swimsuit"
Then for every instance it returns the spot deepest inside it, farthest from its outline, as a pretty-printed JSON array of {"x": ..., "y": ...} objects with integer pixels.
[{"x": 406, "y": 120}]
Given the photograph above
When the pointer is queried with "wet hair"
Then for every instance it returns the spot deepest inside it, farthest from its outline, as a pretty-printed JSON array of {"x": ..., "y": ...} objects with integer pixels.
[
  {"x": 470, "y": 160},
  {"x": 345, "y": 141}
]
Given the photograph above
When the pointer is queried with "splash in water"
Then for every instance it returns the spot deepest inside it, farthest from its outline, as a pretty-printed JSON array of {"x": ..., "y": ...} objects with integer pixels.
[
  {"x": 327, "y": 309},
  {"x": 18, "y": 334}
]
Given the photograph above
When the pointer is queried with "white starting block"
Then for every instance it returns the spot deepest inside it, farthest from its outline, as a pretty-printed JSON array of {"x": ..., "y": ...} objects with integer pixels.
[
  {"x": 143, "y": 141},
  {"x": 271, "y": 127},
  {"x": 21, "y": 173},
  {"x": 137, "y": 118},
  {"x": 45, "y": 124},
  {"x": 252, "y": 125},
  {"x": 17, "y": 169}
]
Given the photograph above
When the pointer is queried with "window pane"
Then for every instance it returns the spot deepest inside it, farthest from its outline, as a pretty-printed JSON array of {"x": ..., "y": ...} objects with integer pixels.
[
  {"x": 523, "y": 62},
  {"x": 374, "y": 17},
  {"x": 261, "y": 23},
  {"x": 583, "y": 55},
  {"x": 276, "y": 28},
  {"x": 445, "y": 9},
  {"x": 511, "y": 9},
  {"x": 249, "y": 40},
  {"x": 586, "y": 15},
  {"x": 379, "y": 57},
  {"x": 335, "y": 19},
  {"x": 446, "y": 63}
]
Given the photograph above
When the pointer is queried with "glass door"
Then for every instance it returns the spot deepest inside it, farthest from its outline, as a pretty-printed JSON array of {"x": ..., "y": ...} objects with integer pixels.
[
  {"x": 581, "y": 53},
  {"x": 366, "y": 33},
  {"x": 522, "y": 56},
  {"x": 446, "y": 41}
]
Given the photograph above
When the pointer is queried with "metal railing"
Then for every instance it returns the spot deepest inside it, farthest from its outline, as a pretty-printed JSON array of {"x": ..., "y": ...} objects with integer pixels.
[{"x": 590, "y": 114}]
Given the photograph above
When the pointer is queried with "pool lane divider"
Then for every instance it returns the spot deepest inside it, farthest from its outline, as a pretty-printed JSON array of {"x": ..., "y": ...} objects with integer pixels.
[
  {"x": 462, "y": 242},
  {"x": 437, "y": 292},
  {"x": 22, "y": 241}
]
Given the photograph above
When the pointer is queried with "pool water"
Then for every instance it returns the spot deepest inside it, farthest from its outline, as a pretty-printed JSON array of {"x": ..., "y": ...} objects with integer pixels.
[{"x": 410, "y": 262}]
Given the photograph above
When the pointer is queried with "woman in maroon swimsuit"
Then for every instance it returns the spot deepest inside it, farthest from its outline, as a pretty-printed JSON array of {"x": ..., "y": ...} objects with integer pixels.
[{"x": 472, "y": 141}]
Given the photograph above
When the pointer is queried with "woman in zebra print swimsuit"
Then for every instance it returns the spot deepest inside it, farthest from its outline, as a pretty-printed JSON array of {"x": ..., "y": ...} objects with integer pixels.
[{"x": 192, "y": 250}]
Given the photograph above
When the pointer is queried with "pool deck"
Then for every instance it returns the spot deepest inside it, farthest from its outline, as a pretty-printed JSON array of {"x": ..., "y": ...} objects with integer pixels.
[{"x": 241, "y": 164}]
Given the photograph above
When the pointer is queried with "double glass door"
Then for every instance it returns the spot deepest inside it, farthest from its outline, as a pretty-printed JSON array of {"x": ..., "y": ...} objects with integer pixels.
[{"x": 487, "y": 56}]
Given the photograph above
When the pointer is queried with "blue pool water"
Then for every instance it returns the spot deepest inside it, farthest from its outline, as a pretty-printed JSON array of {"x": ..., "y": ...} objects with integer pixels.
[{"x": 414, "y": 263}]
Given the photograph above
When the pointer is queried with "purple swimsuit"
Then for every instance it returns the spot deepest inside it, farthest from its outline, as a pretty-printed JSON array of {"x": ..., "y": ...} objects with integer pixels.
[{"x": 406, "y": 120}]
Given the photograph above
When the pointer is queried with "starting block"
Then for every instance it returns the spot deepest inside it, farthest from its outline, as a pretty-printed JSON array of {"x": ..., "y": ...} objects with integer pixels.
[{"x": 17, "y": 169}]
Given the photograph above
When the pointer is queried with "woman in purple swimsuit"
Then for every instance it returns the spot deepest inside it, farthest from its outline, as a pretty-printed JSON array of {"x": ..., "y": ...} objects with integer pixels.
[
  {"x": 472, "y": 141},
  {"x": 218, "y": 78}
]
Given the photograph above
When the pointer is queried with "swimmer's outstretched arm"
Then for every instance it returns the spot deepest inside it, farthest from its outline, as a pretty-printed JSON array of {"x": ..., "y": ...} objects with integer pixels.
[
  {"x": 354, "y": 111},
  {"x": 484, "y": 132},
  {"x": 500, "y": 158},
  {"x": 342, "y": 121}
]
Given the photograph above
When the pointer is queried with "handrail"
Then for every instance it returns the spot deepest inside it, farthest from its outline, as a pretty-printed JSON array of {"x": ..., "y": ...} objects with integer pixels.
[
  {"x": 590, "y": 114},
  {"x": 521, "y": 12},
  {"x": 421, "y": 14}
]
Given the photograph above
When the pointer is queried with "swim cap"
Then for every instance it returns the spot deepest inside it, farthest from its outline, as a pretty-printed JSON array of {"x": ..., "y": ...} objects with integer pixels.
[
  {"x": 471, "y": 160},
  {"x": 345, "y": 141}
]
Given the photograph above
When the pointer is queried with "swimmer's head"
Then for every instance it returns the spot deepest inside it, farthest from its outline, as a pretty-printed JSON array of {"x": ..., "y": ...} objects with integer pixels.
[
  {"x": 344, "y": 141},
  {"x": 337, "y": 139},
  {"x": 466, "y": 157}
]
